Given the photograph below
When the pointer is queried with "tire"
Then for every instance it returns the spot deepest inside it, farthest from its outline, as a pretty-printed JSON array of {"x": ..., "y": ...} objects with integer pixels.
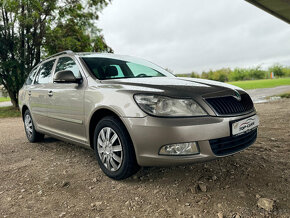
[
  {"x": 114, "y": 149},
  {"x": 31, "y": 134}
]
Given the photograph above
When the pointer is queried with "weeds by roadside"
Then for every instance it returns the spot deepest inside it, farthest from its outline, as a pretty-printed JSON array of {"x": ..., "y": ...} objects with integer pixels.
[
  {"x": 285, "y": 95},
  {"x": 9, "y": 112}
]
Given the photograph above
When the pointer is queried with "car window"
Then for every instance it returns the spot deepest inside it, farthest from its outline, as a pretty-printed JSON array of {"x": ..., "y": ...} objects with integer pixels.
[
  {"x": 119, "y": 70},
  {"x": 138, "y": 69},
  {"x": 31, "y": 76},
  {"x": 45, "y": 71},
  {"x": 67, "y": 63},
  {"x": 106, "y": 68}
]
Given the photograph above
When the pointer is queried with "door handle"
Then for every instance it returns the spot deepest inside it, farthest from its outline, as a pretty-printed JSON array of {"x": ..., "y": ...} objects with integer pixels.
[{"x": 50, "y": 93}]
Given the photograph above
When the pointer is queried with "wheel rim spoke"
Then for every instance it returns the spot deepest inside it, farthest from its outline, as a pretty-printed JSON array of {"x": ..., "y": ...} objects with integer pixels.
[
  {"x": 113, "y": 139},
  {"x": 117, "y": 148},
  {"x": 116, "y": 158},
  {"x": 114, "y": 165},
  {"x": 103, "y": 158},
  {"x": 100, "y": 142},
  {"x": 110, "y": 149},
  {"x": 103, "y": 135},
  {"x": 108, "y": 134},
  {"x": 107, "y": 163}
]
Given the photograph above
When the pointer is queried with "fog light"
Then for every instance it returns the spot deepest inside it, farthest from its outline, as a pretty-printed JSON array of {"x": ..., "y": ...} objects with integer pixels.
[{"x": 188, "y": 148}]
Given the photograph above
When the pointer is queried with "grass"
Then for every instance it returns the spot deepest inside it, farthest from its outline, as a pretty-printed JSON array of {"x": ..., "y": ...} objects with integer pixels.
[
  {"x": 9, "y": 112},
  {"x": 263, "y": 83},
  {"x": 2, "y": 99}
]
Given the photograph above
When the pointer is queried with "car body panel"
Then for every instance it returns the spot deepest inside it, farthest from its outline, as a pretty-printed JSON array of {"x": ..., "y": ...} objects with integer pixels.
[
  {"x": 150, "y": 133},
  {"x": 65, "y": 110},
  {"x": 38, "y": 98}
]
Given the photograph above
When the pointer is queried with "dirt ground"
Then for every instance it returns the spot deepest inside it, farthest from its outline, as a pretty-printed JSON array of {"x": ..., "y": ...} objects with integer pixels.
[{"x": 57, "y": 179}]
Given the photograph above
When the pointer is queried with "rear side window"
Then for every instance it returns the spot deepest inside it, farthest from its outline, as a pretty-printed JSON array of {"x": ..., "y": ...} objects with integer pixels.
[
  {"x": 31, "y": 76},
  {"x": 45, "y": 71},
  {"x": 67, "y": 63}
]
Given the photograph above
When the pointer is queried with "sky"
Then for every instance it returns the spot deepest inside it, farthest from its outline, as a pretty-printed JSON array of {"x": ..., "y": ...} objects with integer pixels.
[{"x": 191, "y": 35}]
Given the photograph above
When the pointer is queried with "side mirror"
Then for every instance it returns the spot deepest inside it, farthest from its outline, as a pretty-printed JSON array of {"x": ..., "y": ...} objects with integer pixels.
[{"x": 65, "y": 76}]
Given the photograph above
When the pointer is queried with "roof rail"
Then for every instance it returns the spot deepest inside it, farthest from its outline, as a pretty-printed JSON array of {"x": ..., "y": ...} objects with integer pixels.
[{"x": 57, "y": 54}]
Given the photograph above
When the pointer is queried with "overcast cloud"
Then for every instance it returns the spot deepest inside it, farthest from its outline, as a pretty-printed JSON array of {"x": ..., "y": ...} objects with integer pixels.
[{"x": 191, "y": 35}]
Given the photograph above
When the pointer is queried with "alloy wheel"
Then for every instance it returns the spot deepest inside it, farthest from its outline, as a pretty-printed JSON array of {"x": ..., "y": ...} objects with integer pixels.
[
  {"x": 28, "y": 125},
  {"x": 110, "y": 149}
]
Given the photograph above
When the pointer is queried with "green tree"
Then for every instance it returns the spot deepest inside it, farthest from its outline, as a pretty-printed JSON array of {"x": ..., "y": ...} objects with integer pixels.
[
  {"x": 238, "y": 74},
  {"x": 75, "y": 28},
  {"x": 277, "y": 69},
  {"x": 204, "y": 75},
  {"x": 286, "y": 71},
  {"x": 30, "y": 29},
  {"x": 221, "y": 75},
  {"x": 194, "y": 75},
  {"x": 256, "y": 73}
]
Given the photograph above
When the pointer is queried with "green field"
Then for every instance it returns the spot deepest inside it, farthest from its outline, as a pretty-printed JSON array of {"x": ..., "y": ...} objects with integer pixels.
[
  {"x": 263, "y": 83},
  {"x": 2, "y": 99},
  {"x": 9, "y": 112}
]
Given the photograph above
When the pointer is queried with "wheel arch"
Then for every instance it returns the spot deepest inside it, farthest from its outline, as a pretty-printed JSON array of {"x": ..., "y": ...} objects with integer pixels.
[
  {"x": 96, "y": 117},
  {"x": 23, "y": 109}
]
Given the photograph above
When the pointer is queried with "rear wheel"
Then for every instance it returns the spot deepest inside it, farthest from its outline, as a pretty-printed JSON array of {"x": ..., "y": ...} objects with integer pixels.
[
  {"x": 31, "y": 134},
  {"x": 114, "y": 149}
]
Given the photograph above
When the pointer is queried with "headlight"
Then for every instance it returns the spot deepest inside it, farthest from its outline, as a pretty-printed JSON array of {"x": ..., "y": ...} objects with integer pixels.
[{"x": 168, "y": 107}]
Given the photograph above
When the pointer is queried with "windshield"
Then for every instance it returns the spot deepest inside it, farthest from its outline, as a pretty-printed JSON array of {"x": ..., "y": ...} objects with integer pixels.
[{"x": 108, "y": 68}]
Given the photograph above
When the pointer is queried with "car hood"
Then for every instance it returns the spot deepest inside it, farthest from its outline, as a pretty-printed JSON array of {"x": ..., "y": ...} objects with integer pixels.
[{"x": 172, "y": 86}]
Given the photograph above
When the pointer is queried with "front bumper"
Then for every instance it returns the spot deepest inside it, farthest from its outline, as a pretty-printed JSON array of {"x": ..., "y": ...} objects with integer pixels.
[{"x": 149, "y": 134}]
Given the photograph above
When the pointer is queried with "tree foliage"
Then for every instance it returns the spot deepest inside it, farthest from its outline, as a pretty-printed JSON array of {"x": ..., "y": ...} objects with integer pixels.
[
  {"x": 75, "y": 28},
  {"x": 30, "y": 29},
  {"x": 277, "y": 69},
  {"x": 239, "y": 74}
]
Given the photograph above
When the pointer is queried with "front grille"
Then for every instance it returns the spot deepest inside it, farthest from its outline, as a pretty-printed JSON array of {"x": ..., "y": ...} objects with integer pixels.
[
  {"x": 232, "y": 144},
  {"x": 229, "y": 105}
]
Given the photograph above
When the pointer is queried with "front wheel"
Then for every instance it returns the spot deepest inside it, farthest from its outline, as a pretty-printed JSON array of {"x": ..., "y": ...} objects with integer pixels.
[
  {"x": 114, "y": 149},
  {"x": 31, "y": 134}
]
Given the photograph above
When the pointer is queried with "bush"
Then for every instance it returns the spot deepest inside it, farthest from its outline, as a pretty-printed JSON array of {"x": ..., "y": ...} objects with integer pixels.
[
  {"x": 194, "y": 75},
  {"x": 257, "y": 73},
  {"x": 277, "y": 69},
  {"x": 286, "y": 71},
  {"x": 221, "y": 75},
  {"x": 240, "y": 74},
  {"x": 182, "y": 75}
]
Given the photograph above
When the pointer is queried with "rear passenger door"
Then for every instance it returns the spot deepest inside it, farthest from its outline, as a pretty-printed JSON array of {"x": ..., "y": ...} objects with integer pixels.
[
  {"x": 38, "y": 101},
  {"x": 66, "y": 104}
]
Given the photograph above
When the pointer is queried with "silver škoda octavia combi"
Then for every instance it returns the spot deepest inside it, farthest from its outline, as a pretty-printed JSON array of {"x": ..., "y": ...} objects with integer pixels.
[{"x": 134, "y": 113}]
